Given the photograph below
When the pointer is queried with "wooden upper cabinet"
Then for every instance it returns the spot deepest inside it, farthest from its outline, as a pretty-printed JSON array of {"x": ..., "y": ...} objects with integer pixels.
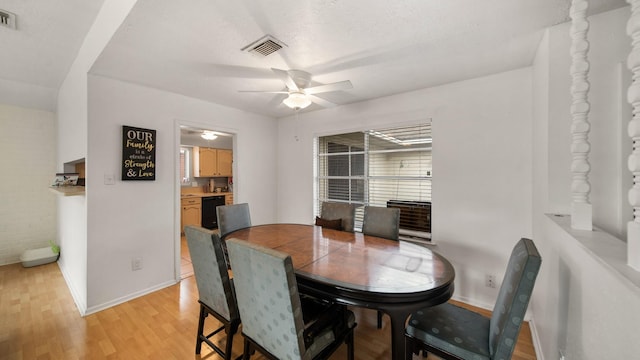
[
  {"x": 207, "y": 160},
  {"x": 225, "y": 158},
  {"x": 210, "y": 162}
]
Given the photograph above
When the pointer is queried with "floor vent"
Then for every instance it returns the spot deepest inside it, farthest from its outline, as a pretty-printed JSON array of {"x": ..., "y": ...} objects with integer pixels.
[
  {"x": 7, "y": 19},
  {"x": 264, "y": 46}
]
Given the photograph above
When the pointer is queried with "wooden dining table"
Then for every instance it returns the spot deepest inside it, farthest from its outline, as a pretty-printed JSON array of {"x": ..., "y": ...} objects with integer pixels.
[{"x": 395, "y": 277}]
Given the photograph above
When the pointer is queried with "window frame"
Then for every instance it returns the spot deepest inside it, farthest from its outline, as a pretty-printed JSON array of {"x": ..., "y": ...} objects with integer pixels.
[
  {"x": 186, "y": 165},
  {"x": 321, "y": 167}
]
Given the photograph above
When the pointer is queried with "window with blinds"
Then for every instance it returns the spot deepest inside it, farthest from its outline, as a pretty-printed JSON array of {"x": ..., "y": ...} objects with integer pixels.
[
  {"x": 185, "y": 165},
  {"x": 382, "y": 167}
]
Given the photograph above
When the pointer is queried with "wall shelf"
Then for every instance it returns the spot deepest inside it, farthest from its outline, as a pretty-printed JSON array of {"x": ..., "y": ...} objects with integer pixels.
[{"x": 68, "y": 190}]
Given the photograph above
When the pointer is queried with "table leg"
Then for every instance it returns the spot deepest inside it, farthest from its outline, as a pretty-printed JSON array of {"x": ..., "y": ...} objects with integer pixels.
[{"x": 398, "y": 319}]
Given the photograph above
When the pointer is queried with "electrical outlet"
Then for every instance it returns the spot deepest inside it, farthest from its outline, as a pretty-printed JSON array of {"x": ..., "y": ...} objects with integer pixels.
[
  {"x": 136, "y": 263},
  {"x": 490, "y": 281},
  {"x": 561, "y": 355}
]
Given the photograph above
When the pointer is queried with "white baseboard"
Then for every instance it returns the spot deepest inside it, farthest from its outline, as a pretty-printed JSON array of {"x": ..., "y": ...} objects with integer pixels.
[
  {"x": 84, "y": 311},
  {"x": 123, "y": 299},
  {"x": 473, "y": 302},
  {"x": 77, "y": 299},
  {"x": 537, "y": 347}
]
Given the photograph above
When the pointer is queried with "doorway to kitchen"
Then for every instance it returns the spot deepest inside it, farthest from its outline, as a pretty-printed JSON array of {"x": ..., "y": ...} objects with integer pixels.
[{"x": 206, "y": 182}]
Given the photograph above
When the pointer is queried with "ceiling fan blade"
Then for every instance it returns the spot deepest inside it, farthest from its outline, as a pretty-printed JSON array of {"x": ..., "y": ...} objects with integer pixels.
[
  {"x": 276, "y": 101},
  {"x": 320, "y": 101},
  {"x": 341, "y": 85},
  {"x": 284, "y": 76},
  {"x": 264, "y": 92}
]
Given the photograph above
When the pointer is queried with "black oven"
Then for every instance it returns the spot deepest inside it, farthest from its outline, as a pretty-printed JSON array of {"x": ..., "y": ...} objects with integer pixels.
[{"x": 209, "y": 215}]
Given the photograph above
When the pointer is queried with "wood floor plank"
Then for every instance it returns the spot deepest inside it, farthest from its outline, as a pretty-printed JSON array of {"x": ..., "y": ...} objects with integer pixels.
[{"x": 39, "y": 320}]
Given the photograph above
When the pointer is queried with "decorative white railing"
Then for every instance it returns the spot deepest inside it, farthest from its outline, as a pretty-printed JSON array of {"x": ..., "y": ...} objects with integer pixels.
[
  {"x": 633, "y": 96},
  {"x": 581, "y": 211}
]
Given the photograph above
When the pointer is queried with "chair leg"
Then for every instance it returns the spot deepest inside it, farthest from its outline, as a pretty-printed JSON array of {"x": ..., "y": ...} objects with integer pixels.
[
  {"x": 350, "y": 347},
  {"x": 231, "y": 330},
  {"x": 379, "y": 319},
  {"x": 411, "y": 348},
  {"x": 247, "y": 350},
  {"x": 227, "y": 348},
  {"x": 203, "y": 315}
]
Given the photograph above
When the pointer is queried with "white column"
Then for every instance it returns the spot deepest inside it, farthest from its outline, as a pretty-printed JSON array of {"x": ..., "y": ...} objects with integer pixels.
[
  {"x": 633, "y": 96},
  {"x": 581, "y": 212}
]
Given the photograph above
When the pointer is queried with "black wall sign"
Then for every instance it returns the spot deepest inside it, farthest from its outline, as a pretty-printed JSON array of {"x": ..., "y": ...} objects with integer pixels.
[{"x": 138, "y": 153}]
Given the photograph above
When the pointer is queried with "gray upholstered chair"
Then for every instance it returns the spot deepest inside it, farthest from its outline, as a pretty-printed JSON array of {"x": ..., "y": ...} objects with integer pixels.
[
  {"x": 344, "y": 211},
  {"x": 381, "y": 222},
  {"x": 216, "y": 292},
  {"x": 273, "y": 313},
  {"x": 232, "y": 218},
  {"x": 451, "y": 332}
]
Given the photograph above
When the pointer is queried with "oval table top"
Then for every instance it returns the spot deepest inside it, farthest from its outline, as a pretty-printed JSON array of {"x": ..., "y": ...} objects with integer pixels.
[
  {"x": 394, "y": 269},
  {"x": 396, "y": 277}
]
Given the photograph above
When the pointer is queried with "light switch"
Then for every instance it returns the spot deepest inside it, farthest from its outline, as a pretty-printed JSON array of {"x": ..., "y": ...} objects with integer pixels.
[{"x": 109, "y": 179}]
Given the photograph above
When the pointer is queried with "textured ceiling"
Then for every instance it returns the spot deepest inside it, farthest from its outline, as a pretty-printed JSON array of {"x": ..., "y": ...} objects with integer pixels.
[
  {"x": 47, "y": 39},
  {"x": 194, "y": 47}
]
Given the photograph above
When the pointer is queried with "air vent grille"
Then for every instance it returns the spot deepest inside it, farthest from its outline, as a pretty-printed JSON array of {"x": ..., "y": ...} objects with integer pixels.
[
  {"x": 264, "y": 46},
  {"x": 7, "y": 19},
  {"x": 267, "y": 48}
]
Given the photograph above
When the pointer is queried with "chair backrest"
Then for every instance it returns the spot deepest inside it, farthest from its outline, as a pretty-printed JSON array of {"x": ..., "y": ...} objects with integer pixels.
[
  {"x": 268, "y": 298},
  {"x": 210, "y": 270},
  {"x": 513, "y": 299},
  {"x": 344, "y": 211},
  {"x": 232, "y": 218},
  {"x": 382, "y": 222}
]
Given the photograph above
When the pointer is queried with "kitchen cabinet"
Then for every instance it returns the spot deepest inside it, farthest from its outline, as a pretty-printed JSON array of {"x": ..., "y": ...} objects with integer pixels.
[
  {"x": 191, "y": 212},
  {"x": 210, "y": 162},
  {"x": 205, "y": 162},
  {"x": 225, "y": 159}
]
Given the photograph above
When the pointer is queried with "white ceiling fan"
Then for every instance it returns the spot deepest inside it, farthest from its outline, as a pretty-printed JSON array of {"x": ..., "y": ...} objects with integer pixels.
[{"x": 299, "y": 94}]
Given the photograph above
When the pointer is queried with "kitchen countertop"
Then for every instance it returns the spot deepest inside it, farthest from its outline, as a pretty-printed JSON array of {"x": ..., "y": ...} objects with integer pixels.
[{"x": 203, "y": 194}]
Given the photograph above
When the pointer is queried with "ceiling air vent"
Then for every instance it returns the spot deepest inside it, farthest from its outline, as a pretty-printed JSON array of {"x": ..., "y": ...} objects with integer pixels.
[
  {"x": 264, "y": 46},
  {"x": 7, "y": 19}
]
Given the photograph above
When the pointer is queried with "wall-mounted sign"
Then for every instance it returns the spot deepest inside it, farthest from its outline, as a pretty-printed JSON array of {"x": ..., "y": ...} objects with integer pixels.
[{"x": 138, "y": 153}]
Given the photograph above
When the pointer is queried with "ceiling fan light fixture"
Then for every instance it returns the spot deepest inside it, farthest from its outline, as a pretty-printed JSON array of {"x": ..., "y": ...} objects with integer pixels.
[
  {"x": 297, "y": 101},
  {"x": 209, "y": 135}
]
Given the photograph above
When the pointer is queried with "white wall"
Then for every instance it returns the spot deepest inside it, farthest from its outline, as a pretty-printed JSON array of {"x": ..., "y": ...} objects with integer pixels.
[
  {"x": 72, "y": 145},
  {"x": 102, "y": 231},
  {"x": 27, "y": 207},
  {"x": 582, "y": 305},
  {"x": 141, "y": 218},
  {"x": 481, "y": 167},
  {"x": 609, "y": 47}
]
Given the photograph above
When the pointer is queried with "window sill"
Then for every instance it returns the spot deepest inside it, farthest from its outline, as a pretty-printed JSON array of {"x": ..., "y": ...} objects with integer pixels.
[{"x": 610, "y": 251}]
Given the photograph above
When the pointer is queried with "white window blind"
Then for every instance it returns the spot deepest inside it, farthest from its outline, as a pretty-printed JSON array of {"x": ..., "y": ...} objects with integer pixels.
[
  {"x": 382, "y": 167},
  {"x": 185, "y": 165}
]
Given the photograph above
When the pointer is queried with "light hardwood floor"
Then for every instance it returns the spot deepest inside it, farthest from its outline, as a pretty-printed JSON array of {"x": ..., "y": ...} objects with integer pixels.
[
  {"x": 186, "y": 269},
  {"x": 39, "y": 320}
]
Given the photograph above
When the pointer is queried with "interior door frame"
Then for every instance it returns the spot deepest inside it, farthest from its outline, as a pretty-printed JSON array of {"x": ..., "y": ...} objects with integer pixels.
[{"x": 212, "y": 125}]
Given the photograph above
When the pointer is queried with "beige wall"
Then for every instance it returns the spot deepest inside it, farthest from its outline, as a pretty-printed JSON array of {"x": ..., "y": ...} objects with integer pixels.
[{"x": 27, "y": 206}]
